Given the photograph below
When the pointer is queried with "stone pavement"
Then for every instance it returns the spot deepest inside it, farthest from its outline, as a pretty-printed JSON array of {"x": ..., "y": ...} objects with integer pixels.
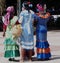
[{"x": 54, "y": 41}]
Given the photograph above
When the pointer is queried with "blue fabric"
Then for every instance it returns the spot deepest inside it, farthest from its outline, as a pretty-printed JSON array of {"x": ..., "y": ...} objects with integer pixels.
[
  {"x": 41, "y": 33},
  {"x": 43, "y": 56},
  {"x": 42, "y": 21},
  {"x": 42, "y": 44},
  {"x": 26, "y": 36},
  {"x": 41, "y": 36},
  {"x": 41, "y": 26},
  {"x": 41, "y": 29}
]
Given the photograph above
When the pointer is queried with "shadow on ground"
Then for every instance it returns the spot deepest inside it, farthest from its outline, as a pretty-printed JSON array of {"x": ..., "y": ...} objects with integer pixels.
[{"x": 54, "y": 57}]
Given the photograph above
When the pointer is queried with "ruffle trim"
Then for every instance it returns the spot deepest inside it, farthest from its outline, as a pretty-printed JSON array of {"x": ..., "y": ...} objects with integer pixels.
[
  {"x": 9, "y": 42},
  {"x": 43, "y": 56},
  {"x": 42, "y": 44},
  {"x": 44, "y": 50}
]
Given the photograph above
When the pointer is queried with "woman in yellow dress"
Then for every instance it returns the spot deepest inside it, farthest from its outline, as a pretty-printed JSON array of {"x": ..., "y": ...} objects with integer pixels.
[{"x": 11, "y": 47}]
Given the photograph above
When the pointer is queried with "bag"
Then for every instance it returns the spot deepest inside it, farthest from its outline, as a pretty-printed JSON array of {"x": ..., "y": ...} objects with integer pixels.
[{"x": 16, "y": 30}]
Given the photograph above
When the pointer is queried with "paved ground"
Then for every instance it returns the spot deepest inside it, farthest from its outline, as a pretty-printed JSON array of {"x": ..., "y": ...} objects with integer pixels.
[{"x": 54, "y": 41}]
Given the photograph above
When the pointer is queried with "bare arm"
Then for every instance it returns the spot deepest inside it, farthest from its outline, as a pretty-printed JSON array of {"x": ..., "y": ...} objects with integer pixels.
[{"x": 45, "y": 16}]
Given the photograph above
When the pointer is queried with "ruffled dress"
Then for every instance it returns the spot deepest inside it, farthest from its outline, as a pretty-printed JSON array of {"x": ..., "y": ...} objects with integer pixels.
[
  {"x": 11, "y": 48},
  {"x": 42, "y": 45}
]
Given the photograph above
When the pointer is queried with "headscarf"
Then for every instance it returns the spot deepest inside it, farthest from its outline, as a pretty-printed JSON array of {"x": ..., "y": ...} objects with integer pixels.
[
  {"x": 40, "y": 7},
  {"x": 9, "y": 10},
  {"x": 27, "y": 5}
]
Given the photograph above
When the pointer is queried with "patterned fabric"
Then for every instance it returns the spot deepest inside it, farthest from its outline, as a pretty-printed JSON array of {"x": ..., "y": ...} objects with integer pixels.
[
  {"x": 6, "y": 17},
  {"x": 10, "y": 11},
  {"x": 11, "y": 47},
  {"x": 40, "y": 7},
  {"x": 16, "y": 30},
  {"x": 43, "y": 50},
  {"x": 27, "y": 40}
]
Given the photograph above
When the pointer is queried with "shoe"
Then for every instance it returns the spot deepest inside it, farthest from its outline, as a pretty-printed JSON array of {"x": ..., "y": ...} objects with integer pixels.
[
  {"x": 44, "y": 59},
  {"x": 11, "y": 59}
]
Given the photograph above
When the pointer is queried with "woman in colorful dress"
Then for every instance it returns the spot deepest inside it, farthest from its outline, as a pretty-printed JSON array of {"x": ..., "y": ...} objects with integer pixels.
[
  {"x": 42, "y": 45},
  {"x": 4, "y": 26},
  {"x": 11, "y": 47},
  {"x": 27, "y": 39}
]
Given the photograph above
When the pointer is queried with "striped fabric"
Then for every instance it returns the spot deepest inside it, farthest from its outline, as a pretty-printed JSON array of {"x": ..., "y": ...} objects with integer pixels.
[
  {"x": 46, "y": 50},
  {"x": 43, "y": 50},
  {"x": 11, "y": 49}
]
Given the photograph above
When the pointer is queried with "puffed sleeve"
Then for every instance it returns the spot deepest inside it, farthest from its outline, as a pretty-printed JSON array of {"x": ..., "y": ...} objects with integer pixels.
[
  {"x": 20, "y": 19},
  {"x": 34, "y": 15}
]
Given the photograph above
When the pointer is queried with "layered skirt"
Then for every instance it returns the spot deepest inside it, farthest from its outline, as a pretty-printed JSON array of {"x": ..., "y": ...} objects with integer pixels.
[
  {"x": 10, "y": 45},
  {"x": 43, "y": 50},
  {"x": 11, "y": 49}
]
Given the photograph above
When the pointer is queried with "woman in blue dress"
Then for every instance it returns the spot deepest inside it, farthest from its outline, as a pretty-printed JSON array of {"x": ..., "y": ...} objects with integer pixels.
[
  {"x": 43, "y": 50},
  {"x": 27, "y": 39}
]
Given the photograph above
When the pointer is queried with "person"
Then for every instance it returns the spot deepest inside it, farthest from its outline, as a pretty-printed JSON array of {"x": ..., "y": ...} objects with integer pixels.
[
  {"x": 27, "y": 39},
  {"x": 4, "y": 26},
  {"x": 42, "y": 45},
  {"x": 11, "y": 47}
]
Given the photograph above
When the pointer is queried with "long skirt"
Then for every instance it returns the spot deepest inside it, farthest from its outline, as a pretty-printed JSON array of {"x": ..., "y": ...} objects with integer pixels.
[
  {"x": 43, "y": 50},
  {"x": 11, "y": 49}
]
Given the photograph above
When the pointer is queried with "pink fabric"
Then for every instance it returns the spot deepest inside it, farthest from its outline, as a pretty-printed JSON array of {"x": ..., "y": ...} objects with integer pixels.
[
  {"x": 7, "y": 16},
  {"x": 10, "y": 9},
  {"x": 40, "y": 8}
]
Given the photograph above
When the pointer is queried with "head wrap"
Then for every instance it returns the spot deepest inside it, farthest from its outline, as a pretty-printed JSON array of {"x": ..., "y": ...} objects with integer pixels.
[
  {"x": 10, "y": 10},
  {"x": 29, "y": 4},
  {"x": 40, "y": 7}
]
